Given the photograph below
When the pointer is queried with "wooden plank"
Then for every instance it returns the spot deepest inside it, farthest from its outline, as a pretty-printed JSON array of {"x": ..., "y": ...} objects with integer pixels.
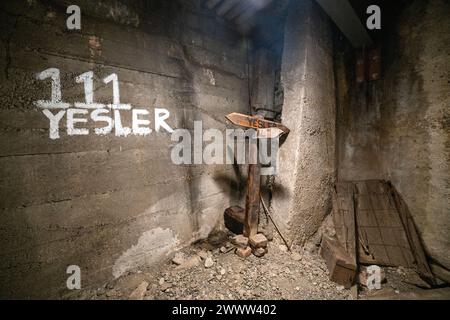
[
  {"x": 418, "y": 252},
  {"x": 381, "y": 238},
  {"x": 254, "y": 122},
  {"x": 344, "y": 217},
  {"x": 341, "y": 266},
  {"x": 252, "y": 206}
]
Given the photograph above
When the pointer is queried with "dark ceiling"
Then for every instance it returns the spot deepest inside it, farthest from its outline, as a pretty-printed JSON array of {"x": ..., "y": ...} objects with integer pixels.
[{"x": 263, "y": 19}]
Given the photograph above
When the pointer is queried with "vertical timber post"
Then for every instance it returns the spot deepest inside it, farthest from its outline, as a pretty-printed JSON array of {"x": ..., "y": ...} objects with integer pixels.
[
  {"x": 265, "y": 129},
  {"x": 252, "y": 202}
]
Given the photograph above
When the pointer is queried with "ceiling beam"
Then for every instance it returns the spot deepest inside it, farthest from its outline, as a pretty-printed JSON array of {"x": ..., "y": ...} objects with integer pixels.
[{"x": 346, "y": 19}]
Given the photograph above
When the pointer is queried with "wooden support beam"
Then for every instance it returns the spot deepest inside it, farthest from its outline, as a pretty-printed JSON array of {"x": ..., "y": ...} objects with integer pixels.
[{"x": 252, "y": 197}]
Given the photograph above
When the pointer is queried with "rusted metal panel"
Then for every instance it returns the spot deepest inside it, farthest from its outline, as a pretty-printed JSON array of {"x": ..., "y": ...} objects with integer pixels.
[
  {"x": 360, "y": 67},
  {"x": 374, "y": 64},
  {"x": 368, "y": 65}
]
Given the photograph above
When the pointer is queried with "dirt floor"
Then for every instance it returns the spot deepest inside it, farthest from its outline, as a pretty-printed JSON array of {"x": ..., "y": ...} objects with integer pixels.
[{"x": 211, "y": 270}]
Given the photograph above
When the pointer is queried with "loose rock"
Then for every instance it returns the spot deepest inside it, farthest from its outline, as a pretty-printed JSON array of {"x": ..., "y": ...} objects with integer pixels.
[
  {"x": 209, "y": 262},
  {"x": 203, "y": 254},
  {"x": 179, "y": 258},
  {"x": 296, "y": 256},
  {"x": 191, "y": 263},
  {"x": 139, "y": 292}
]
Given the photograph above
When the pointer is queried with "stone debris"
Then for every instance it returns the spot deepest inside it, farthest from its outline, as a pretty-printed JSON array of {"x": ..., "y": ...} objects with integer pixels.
[
  {"x": 203, "y": 254},
  {"x": 296, "y": 256},
  {"x": 139, "y": 292},
  {"x": 112, "y": 293},
  {"x": 276, "y": 276},
  {"x": 165, "y": 286},
  {"x": 209, "y": 262},
  {"x": 190, "y": 263},
  {"x": 179, "y": 258}
]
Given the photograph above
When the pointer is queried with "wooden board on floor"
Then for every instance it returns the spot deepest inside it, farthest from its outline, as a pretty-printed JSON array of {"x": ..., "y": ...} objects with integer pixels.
[
  {"x": 373, "y": 224},
  {"x": 413, "y": 237},
  {"x": 344, "y": 217},
  {"x": 341, "y": 266},
  {"x": 381, "y": 236}
]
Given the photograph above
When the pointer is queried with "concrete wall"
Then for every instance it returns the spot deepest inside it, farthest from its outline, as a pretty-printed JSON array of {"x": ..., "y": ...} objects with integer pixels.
[
  {"x": 307, "y": 158},
  {"x": 105, "y": 203},
  {"x": 397, "y": 128}
]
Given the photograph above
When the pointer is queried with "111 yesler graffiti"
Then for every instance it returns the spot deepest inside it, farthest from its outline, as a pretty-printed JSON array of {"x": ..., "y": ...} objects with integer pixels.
[{"x": 110, "y": 114}]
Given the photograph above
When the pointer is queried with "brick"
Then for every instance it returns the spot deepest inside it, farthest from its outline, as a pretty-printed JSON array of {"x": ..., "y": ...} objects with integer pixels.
[
  {"x": 259, "y": 252},
  {"x": 244, "y": 252},
  {"x": 258, "y": 241},
  {"x": 240, "y": 241}
]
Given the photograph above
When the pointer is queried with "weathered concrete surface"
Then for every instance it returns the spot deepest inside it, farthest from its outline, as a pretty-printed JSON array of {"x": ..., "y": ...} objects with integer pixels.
[
  {"x": 399, "y": 128},
  {"x": 307, "y": 158},
  {"x": 106, "y": 203}
]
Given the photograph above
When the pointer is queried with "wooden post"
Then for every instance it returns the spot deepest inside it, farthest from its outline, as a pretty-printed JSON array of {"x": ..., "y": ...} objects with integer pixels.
[
  {"x": 253, "y": 190},
  {"x": 252, "y": 201},
  {"x": 265, "y": 129}
]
